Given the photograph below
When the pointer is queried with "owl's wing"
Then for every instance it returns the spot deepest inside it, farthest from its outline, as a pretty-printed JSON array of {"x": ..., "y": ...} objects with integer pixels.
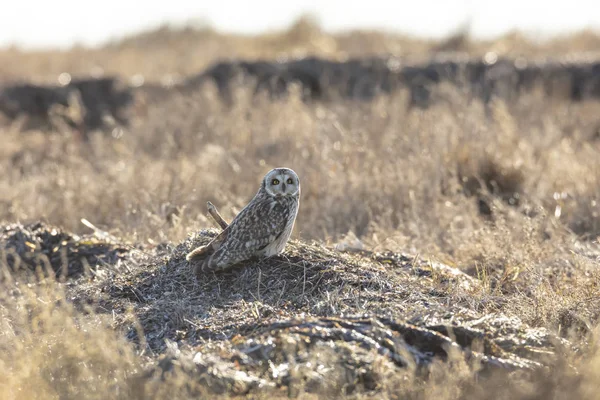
[{"x": 253, "y": 229}]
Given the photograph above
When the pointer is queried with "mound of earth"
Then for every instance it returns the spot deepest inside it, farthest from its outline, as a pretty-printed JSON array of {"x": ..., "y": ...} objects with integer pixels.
[
  {"x": 314, "y": 318},
  {"x": 52, "y": 251},
  {"x": 88, "y": 103},
  {"x": 83, "y": 103},
  {"x": 367, "y": 77}
]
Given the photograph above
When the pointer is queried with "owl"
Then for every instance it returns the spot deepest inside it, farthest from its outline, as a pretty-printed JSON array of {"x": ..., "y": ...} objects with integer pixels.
[{"x": 260, "y": 230}]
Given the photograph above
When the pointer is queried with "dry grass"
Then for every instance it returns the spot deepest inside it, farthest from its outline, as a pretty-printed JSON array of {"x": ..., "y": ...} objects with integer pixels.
[
  {"x": 169, "y": 54},
  {"x": 509, "y": 194}
]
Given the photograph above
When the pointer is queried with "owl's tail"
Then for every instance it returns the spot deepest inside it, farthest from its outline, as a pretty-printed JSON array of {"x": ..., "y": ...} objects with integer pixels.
[
  {"x": 200, "y": 258},
  {"x": 198, "y": 254}
]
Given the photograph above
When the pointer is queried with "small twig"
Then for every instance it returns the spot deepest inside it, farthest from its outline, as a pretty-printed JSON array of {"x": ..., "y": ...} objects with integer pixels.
[
  {"x": 214, "y": 213},
  {"x": 304, "y": 281},
  {"x": 97, "y": 231},
  {"x": 258, "y": 286},
  {"x": 201, "y": 251}
]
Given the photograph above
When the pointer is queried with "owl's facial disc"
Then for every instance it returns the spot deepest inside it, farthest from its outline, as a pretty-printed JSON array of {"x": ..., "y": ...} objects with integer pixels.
[{"x": 281, "y": 182}]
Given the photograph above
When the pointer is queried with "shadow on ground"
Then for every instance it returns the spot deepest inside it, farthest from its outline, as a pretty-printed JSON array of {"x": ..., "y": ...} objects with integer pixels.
[{"x": 314, "y": 318}]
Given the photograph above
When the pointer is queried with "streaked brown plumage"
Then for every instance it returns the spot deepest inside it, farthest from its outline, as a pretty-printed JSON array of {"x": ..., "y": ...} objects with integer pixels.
[{"x": 261, "y": 229}]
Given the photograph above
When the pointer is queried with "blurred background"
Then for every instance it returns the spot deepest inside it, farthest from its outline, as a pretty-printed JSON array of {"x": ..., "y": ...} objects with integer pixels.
[
  {"x": 63, "y": 23},
  {"x": 139, "y": 112}
]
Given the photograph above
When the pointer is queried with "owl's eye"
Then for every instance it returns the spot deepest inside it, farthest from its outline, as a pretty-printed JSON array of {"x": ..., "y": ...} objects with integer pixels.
[
  {"x": 290, "y": 181},
  {"x": 275, "y": 182}
]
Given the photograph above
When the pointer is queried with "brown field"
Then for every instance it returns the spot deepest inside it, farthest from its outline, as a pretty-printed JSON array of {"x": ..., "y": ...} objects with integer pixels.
[{"x": 507, "y": 193}]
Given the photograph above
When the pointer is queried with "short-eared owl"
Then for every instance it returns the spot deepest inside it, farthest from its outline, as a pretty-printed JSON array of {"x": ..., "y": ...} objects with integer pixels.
[{"x": 261, "y": 229}]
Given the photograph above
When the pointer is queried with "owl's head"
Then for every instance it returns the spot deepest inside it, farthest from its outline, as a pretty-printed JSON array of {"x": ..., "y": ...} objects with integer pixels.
[{"x": 281, "y": 182}]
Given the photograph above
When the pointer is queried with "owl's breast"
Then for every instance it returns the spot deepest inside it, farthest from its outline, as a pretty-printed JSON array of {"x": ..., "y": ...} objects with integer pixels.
[{"x": 283, "y": 215}]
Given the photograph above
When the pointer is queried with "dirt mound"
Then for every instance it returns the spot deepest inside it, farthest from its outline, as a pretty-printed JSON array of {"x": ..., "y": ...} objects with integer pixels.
[
  {"x": 324, "y": 355},
  {"x": 39, "y": 247},
  {"x": 313, "y": 317},
  {"x": 364, "y": 78},
  {"x": 87, "y": 104},
  {"x": 81, "y": 104}
]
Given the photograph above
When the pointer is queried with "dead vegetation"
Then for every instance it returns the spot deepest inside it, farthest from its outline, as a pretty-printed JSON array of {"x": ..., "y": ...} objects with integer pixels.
[
  {"x": 169, "y": 54},
  {"x": 53, "y": 252},
  {"x": 448, "y": 252},
  {"x": 313, "y": 321}
]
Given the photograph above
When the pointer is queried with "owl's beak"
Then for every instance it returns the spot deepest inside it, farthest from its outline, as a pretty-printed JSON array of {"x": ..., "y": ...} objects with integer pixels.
[{"x": 283, "y": 187}]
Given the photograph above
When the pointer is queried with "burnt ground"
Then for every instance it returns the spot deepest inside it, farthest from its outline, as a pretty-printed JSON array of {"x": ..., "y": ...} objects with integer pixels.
[{"x": 315, "y": 319}]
